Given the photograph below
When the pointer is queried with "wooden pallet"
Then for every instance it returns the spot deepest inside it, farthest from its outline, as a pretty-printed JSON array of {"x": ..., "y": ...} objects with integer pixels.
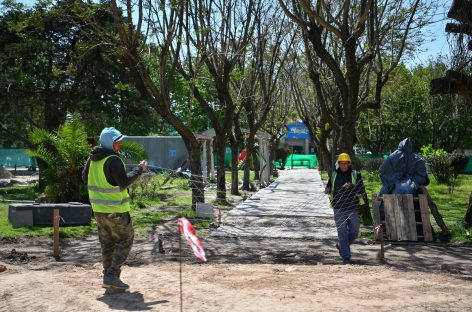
[{"x": 406, "y": 218}]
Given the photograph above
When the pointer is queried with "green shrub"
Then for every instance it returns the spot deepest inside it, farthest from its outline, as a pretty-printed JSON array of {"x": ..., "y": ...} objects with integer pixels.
[
  {"x": 64, "y": 153},
  {"x": 446, "y": 168},
  {"x": 147, "y": 185},
  {"x": 374, "y": 175},
  {"x": 441, "y": 168},
  {"x": 428, "y": 151}
]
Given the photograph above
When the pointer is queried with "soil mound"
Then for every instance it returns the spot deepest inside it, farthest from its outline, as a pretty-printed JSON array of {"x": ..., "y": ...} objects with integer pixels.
[{"x": 5, "y": 174}]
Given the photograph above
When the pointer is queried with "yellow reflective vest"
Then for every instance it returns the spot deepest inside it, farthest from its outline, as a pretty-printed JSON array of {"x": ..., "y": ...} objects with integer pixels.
[
  {"x": 353, "y": 181},
  {"x": 103, "y": 196},
  {"x": 353, "y": 178}
]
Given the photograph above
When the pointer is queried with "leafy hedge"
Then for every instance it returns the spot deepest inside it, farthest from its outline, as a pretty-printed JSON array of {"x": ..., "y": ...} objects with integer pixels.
[{"x": 445, "y": 168}]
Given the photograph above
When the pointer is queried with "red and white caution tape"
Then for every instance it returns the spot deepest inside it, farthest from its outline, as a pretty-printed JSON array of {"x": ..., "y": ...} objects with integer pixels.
[{"x": 188, "y": 231}]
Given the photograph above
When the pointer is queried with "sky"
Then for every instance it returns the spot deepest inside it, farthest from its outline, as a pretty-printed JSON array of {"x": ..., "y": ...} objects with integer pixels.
[{"x": 434, "y": 46}]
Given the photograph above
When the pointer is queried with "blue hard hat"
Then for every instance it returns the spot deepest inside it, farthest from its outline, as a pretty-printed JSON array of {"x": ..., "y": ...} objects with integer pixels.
[{"x": 109, "y": 136}]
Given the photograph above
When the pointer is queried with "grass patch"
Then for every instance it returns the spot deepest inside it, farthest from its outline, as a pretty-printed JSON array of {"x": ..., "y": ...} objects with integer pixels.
[
  {"x": 240, "y": 175},
  {"x": 188, "y": 213},
  {"x": 146, "y": 208},
  {"x": 26, "y": 192},
  {"x": 185, "y": 201},
  {"x": 144, "y": 220}
]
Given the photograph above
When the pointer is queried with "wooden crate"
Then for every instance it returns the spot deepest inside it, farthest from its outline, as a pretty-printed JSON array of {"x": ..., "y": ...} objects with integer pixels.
[{"x": 401, "y": 220}]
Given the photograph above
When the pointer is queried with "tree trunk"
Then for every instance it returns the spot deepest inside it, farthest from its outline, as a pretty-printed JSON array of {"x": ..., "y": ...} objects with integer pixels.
[
  {"x": 257, "y": 165},
  {"x": 247, "y": 167},
  {"x": 324, "y": 158},
  {"x": 42, "y": 166},
  {"x": 220, "y": 169},
  {"x": 272, "y": 148},
  {"x": 196, "y": 179},
  {"x": 468, "y": 215},
  {"x": 198, "y": 194},
  {"x": 234, "y": 165},
  {"x": 323, "y": 153},
  {"x": 347, "y": 137},
  {"x": 209, "y": 162}
]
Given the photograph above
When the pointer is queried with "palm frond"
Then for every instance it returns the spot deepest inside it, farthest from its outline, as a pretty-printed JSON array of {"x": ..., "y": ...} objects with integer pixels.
[
  {"x": 41, "y": 136},
  {"x": 133, "y": 151},
  {"x": 44, "y": 154},
  {"x": 64, "y": 153}
]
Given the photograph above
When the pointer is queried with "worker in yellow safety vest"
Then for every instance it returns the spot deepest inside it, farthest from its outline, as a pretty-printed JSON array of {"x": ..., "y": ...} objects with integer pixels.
[
  {"x": 107, "y": 182},
  {"x": 345, "y": 185}
]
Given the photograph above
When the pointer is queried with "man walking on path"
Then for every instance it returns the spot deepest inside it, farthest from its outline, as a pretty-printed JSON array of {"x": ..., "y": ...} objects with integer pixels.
[
  {"x": 107, "y": 182},
  {"x": 346, "y": 185}
]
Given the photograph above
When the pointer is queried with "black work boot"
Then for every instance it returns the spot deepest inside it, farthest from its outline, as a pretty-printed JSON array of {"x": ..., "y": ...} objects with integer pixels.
[{"x": 112, "y": 281}]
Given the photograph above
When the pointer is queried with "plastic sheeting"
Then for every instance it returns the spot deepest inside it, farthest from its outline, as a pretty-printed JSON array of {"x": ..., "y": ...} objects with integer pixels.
[{"x": 403, "y": 171}]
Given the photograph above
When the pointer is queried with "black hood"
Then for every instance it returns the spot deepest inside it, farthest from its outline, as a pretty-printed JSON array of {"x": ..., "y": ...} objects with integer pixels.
[
  {"x": 403, "y": 171},
  {"x": 99, "y": 153},
  {"x": 405, "y": 146}
]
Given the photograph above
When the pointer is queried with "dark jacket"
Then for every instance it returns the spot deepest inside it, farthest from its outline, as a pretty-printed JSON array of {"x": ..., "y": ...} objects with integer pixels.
[
  {"x": 115, "y": 172},
  {"x": 346, "y": 199},
  {"x": 403, "y": 172}
]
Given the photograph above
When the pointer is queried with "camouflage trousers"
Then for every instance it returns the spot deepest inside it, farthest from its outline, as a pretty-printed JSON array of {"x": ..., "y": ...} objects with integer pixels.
[{"x": 115, "y": 233}]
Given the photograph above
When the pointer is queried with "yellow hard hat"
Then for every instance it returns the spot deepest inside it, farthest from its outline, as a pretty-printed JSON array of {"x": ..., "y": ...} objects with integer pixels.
[{"x": 344, "y": 157}]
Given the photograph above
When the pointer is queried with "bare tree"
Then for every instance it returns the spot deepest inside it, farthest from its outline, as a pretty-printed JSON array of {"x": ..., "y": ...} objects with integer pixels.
[
  {"x": 360, "y": 42},
  {"x": 260, "y": 69},
  {"x": 216, "y": 34},
  {"x": 306, "y": 95},
  {"x": 279, "y": 115},
  {"x": 146, "y": 32}
]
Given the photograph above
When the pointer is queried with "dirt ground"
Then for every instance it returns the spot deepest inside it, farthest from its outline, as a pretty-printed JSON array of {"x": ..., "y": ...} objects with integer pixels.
[{"x": 240, "y": 275}]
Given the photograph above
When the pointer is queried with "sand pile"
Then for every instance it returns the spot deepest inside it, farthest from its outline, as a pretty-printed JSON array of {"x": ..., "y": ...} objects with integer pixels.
[{"x": 5, "y": 174}]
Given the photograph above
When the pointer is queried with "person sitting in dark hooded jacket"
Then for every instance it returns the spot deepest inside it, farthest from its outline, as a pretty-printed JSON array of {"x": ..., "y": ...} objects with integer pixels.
[{"x": 403, "y": 172}]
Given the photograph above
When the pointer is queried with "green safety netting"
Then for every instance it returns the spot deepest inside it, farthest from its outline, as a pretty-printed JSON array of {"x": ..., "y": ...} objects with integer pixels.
[
  {"x": 11, "y": 157},
  {"x": 301, "y": 160}
]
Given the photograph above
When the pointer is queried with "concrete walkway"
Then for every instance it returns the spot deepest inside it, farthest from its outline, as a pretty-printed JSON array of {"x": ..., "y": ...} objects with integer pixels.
[{"x": 294, "y": 206}]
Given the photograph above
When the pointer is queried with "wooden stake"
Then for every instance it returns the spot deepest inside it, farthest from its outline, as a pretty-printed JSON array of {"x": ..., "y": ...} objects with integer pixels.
[
  {"x": 381, "y": 254},
  {"x": 160, "y": 244},
  {"x": 56, "y": 234}
]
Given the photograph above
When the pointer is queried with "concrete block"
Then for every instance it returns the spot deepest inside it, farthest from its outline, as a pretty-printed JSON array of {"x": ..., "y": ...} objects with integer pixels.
[
  {"x": 42, "y": 214},
  {"x": 20, "y": 217},
  {"x": 205, "y": 211}
]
